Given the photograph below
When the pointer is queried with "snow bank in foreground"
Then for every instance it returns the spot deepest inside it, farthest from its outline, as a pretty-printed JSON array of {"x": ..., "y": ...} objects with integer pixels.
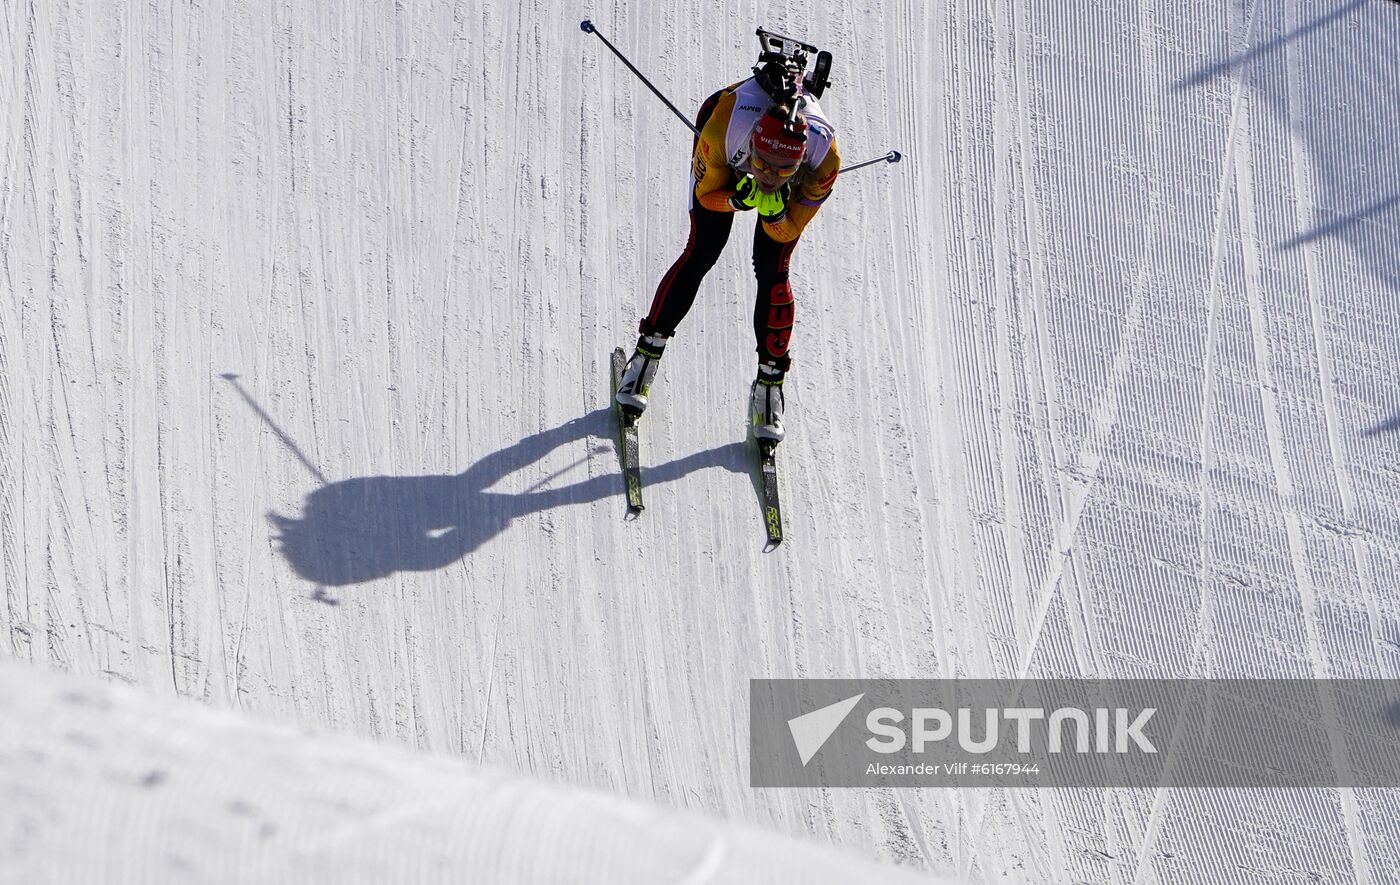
[{"x": 103, "y": 783}]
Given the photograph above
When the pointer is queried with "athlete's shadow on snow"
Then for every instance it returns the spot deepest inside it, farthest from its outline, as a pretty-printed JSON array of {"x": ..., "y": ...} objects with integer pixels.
[
  {"x": 1333, "y": 79},
  {"x": 1338, "y": 89},
  {"x": 1384, "y": 427},
  {"x": 360, "y": 529},
  {"x": 1233, "y": 63}
]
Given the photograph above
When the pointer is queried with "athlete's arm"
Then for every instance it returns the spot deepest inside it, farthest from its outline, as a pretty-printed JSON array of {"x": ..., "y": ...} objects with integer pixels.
[
  {"x": 809, "y": 193},
  {"x": 714, "y": 181}
]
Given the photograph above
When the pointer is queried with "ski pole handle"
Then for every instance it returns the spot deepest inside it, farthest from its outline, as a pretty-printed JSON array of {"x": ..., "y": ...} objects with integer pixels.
[
  {"x": 587, "y": 27},
  {"x": 891, "y": 157}
]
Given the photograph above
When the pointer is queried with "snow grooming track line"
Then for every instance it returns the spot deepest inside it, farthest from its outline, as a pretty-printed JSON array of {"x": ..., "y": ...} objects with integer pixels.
[
  {"x": 1302, "y": 176},
  {"x": 1287, "y": 489},
  {"x": 1037, "y": 331},
  {"x": 1206, "y": 447},
  {"x": 1301, "y": 172}
]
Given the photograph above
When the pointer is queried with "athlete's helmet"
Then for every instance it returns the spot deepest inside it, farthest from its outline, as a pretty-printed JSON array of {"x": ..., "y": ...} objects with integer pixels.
[{"x": 779, "y": 139}]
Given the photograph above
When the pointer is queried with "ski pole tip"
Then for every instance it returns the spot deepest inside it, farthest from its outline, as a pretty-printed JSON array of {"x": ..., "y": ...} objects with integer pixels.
[
  {"x": 586, "y": 26},
  {"x": 895, "y": 156}
]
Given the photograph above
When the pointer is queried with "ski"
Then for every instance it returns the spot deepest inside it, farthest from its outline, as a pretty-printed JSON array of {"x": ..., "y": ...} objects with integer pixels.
[
  {"x": 631, "y": 450},
  {"x": 772, "y": 506}
]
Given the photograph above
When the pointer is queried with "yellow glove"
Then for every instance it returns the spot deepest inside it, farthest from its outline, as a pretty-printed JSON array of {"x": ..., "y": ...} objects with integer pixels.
[{"x": 770, "y": 206}]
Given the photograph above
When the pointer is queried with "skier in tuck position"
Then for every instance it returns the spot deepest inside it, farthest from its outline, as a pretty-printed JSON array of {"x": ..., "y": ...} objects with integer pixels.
[{"x": 765, "y": 146}]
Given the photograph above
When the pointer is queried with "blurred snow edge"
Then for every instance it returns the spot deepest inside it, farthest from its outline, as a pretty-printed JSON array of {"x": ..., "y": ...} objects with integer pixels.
[{"x": 104, "y": 783}]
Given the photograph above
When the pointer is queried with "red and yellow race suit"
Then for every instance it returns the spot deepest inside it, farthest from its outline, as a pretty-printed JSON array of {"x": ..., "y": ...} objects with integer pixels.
[{"x": 721, "y": 158}]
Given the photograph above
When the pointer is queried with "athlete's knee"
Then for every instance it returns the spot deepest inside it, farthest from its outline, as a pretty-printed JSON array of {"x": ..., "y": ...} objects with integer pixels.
[
  {"x": 771, "y": 259},
  {"x": 704, "y": 255}
]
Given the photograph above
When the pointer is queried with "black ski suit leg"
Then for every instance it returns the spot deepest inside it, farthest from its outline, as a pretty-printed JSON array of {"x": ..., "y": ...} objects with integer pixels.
[
  {"x": 773, "y": 308},
  {"x": 709, "y": 231}
]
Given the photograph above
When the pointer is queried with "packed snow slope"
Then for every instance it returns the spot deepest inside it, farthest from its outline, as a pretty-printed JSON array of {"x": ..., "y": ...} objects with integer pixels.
[
  {"x": 107, "y": 784},
  {"x": 303, "y": 410}
]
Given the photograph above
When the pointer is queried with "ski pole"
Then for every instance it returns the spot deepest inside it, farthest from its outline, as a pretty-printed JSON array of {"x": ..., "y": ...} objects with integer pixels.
[
  {"x": 891, "y": 157},
  {"x": 588, "y": 28}
]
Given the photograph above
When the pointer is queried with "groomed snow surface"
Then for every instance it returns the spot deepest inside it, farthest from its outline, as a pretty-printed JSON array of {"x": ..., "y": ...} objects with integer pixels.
[
  {"x": 303, "y": 415},
  {"x": 105, "y": 784}
]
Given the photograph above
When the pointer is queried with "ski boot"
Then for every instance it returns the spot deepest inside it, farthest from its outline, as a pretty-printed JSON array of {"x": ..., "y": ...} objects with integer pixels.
[
  {"x": 640, "y": 372},
  {"x": 766, "y": 405}
]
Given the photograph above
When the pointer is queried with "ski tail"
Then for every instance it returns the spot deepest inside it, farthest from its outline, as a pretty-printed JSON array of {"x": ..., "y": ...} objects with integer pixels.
[
  {"x": 631, "y": 448},
  {"x": 772, "y": 504}
]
